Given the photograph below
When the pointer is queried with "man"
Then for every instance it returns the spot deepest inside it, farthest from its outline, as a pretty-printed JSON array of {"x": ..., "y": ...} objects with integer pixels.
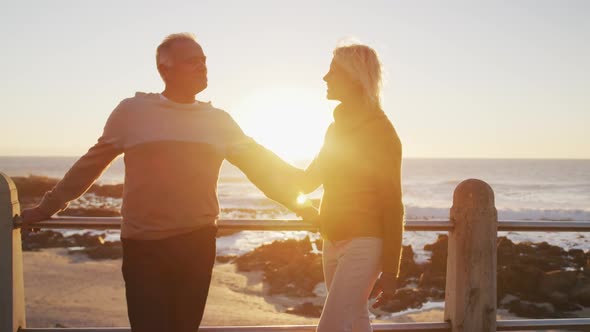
[{"x": 174, "y": 146}]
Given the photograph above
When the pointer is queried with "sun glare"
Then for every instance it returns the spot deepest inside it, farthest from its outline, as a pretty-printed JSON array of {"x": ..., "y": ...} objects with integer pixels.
[
  {"x": 301, "y": 199},
  {"x": 290, "y": 122}
]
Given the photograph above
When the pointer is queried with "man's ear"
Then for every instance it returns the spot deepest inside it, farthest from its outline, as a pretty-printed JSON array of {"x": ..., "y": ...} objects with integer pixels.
[{"x": 163, "y": 70}]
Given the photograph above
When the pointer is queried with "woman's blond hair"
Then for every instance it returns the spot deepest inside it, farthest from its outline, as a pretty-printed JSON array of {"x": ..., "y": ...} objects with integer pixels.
[{"x": 362, "y": 63}]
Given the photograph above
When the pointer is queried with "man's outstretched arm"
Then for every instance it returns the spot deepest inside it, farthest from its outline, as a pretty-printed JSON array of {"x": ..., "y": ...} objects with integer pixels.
[
  {"x": 277, "y": 179},
  {"x": 82, "y": 174},
  {"x": 267, "y": 171}
]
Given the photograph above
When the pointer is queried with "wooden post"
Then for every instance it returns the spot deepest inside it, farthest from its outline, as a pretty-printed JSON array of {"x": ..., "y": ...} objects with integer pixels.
[
  {"x": 470, "y": 295},
  {"x": 12, "y": 292}
]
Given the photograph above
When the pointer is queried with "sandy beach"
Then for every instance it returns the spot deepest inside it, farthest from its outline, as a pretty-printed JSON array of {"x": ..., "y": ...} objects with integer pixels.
[
  {"x": 64, "y": 290},
  {"x": 73, "y": 291}
]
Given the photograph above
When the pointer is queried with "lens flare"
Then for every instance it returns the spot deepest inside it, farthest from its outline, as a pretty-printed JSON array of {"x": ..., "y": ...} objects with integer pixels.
[{"x": 301, "y": 199}]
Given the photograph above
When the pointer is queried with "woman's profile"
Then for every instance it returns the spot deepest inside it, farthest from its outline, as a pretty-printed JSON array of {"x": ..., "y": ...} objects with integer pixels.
[{"x": 361, "y": 212}]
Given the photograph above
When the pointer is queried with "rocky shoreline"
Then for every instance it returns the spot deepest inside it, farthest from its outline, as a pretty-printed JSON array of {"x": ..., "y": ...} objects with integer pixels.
[
  {"x": 535, "y": 280},
  {"x": 31, "y": 188}
]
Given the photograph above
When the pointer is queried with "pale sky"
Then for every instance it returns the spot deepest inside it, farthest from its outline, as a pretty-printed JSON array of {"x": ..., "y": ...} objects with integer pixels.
[{"x": 465, "y": 79}]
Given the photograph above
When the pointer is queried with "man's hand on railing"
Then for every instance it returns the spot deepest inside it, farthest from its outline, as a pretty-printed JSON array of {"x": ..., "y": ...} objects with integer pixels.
[{"x": 32, "y": 216}]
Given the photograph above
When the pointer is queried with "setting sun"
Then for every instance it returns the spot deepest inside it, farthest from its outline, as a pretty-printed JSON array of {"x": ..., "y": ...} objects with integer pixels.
[
  {"x": 301, "y": 199},
  {"x": 289, "y": 121}
]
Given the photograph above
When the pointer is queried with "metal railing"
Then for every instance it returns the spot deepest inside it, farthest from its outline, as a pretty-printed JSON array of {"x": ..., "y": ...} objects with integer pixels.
[
  {"x": 473, "y": 224},
  {"x": 502, "y": 325},
  {"x": 114, "y": 223}
]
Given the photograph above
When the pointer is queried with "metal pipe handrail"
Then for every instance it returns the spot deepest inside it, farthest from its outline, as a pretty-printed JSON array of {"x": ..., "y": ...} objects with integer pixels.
[
  {"x": 422, "y": 327},
  {"x": 299, "y": 225},
  {"x": 502, "y": 325},
  {"x": 536, "y": 324},
  {"x": 231, "y": 224},
  {"x": 543, "y": 226}
]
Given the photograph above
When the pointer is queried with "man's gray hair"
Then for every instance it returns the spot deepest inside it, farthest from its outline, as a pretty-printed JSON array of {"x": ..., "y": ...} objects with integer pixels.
[{"x": 163, "y": 51}]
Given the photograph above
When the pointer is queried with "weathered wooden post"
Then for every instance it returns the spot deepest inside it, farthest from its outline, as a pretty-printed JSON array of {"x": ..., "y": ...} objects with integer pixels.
[
  {"x": 470, "y": 295},
  {"x": 12, "y": 292}
]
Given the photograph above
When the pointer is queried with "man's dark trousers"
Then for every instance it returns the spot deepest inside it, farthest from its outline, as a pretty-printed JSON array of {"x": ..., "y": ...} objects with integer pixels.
[{"x": 167, "y": 281}]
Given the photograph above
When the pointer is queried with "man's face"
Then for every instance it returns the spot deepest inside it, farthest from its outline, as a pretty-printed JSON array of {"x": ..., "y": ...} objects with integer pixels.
[{"x": 189, "y": 69}]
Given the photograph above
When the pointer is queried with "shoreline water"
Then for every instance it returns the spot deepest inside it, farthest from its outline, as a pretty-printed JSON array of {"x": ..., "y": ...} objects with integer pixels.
[{"x": 524, "y": 189}]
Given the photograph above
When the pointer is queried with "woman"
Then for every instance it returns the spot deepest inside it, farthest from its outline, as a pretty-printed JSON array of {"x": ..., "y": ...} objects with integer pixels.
[{"x": 361, "y": 214}]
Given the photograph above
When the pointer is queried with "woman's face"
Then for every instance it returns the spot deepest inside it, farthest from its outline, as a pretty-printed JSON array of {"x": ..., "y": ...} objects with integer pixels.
[{"x": 341, "y": 86}]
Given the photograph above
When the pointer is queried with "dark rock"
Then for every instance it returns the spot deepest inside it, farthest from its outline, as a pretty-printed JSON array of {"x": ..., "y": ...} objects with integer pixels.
[
  {"x": 507, "y": 251},
  {"x": 90, "y": 212},
  {"x": 578, "y": 258},
  {"x": 542, "y": 255},
  {"x": 557, "y": 282},
  {"x": 549, "y": 250},
  {"x": 438, "y": 258},
  {"x": 405, "y": 298},
  {"x": 558, "y": 299},
  {"x": 93, "y": 245},
  {"x": 108, "y": 250},
  {"x": 52, "y": 239},
  {"x": 44, "y": 239},
  {"x": 225, "y": 259},
  {"x": 539, "y": 291},
  {"x": 582, "y": 280},
  {"x": 535, "y": 272},
  {"x": 107, "y": 190},
  {"x": 542, "y": 273},
  {"x": 561, "y": 301},
  {"x": 532, "y": 310},
  {"x": 84, "y": 240},
  {"x": 581, "y": 294},
  {"x": 520, "y": 280},
  {"x": 408, "y": 267},
  {"x": 430, "y": 279},
  {"x": 586, "y": 266},
  {"x": 32, "y": 188},
  {"x": 289, "y": 266},
  {"x": 306, "y": 309}
]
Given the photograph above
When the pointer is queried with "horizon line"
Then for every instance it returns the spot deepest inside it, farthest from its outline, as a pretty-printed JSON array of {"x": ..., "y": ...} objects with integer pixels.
[{"x": 306, "y": 159}]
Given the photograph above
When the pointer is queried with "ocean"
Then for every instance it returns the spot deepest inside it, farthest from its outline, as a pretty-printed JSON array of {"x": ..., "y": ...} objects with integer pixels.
[{"x": 525, "y": 189}]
